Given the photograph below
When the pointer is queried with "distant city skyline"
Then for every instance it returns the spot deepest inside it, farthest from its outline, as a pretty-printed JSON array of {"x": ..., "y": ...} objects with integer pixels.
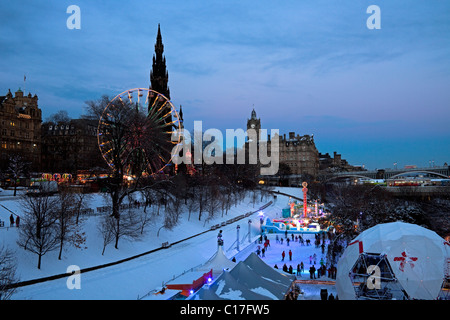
[{"x": 377, "y": 97}]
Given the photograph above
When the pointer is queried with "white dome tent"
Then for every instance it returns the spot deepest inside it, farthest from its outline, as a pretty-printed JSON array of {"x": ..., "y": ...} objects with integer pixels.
[{"x": 393, "y": 261}]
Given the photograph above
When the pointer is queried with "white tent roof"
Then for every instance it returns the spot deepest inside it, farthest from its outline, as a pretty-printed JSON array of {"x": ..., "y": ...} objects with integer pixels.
[
  {"x": 264, "y": 270},
  {"x": 251, "y": 279},
  {"x": 226, "y": 287},
  {"x": 218, "y": 262},
  {"x": 417, "y": 256}
]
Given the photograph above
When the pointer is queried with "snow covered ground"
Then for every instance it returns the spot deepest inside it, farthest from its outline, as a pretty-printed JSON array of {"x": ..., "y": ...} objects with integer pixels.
[{"x": 136, "y": 278}]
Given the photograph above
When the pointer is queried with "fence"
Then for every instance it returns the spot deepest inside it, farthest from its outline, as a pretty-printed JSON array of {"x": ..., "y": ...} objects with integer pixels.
[
  {"x": 108, "y": 209},
  {"x": 237, "y": 218}
]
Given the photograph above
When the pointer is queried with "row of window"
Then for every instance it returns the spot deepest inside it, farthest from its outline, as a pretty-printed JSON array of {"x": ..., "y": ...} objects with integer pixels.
[
  {"x": 294, "y": 158},
  {"x": 52, "y": 149},
  {"x": 61, "y": 127},
  {"x": 18, "y": 145},
  {"x": 64, "y": 130},
  {"x": 19, "y": 134},
  {"x": 299, "y": 164},
  {"x": 13, "y": 123}
]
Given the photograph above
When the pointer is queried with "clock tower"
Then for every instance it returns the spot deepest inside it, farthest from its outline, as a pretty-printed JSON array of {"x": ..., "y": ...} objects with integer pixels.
[{"x": 254, "y": 123}]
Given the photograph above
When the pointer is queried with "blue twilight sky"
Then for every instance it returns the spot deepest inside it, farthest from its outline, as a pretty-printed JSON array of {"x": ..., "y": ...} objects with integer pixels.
[{"x": 313, "y": 67}]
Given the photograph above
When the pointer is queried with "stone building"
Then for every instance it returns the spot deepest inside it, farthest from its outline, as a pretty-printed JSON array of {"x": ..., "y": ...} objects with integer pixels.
[
  {"x": 297, "y": 152},
  {"x": 70, "y": 146},
  {"x": 20, "y": 128},
  {"x": 329, "y": 164}
]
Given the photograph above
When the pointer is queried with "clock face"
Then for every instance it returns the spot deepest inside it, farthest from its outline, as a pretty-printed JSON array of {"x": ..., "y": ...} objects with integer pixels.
[{"x": 252, "y": 125}]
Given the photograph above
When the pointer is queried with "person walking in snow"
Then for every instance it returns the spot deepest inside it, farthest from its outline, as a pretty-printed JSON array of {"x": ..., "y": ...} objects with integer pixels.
[
  {"x": 290, "y": 255},
  {"x": 17, "y": 221},
  {"x": 312, "y": 272},
  {"x": 283, "y": 255},
  {"x": 302, "y": 266},
  {"x": 11, "y": 220}
]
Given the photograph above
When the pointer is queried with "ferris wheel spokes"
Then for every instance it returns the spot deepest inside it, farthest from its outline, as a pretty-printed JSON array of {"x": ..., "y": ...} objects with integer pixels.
[{"x": 146, "y": 134}]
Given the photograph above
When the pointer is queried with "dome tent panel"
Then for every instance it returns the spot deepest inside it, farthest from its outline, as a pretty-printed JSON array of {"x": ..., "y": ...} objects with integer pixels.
[{"x": 416, "y": 255}]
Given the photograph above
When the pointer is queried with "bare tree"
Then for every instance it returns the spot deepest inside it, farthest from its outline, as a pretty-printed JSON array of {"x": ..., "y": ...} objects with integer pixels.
[
  {"x": 137, "y": 142},
  {"x": 66, "y": 206},
  {"x": 106, "y": 228},
  {"x": 17, "y": 167},
  {"x": 8, "y": 268},
  {"x": 64, "y": 211},
  {"x": 80, "y": 201},
  {"x": 192, "y": 206},
  {"x": 212, "y": 200},
  {"x": 144, "y": 219},
  {"x": 38, "y": 230},
  {"x": 62, "y": 116},
  {"x": 171, "y": 216},
  {"x": 365, "y": 204},
  {"x": 129, "y": 226}
]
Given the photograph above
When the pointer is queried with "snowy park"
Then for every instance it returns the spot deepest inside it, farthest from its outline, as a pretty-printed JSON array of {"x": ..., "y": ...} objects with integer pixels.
[
  {"x": 161, "y": 262},
  {"x": 138, "y": 277}
]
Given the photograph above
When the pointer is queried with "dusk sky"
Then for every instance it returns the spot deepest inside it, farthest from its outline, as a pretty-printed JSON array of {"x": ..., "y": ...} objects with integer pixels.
[{"x": 375, "y": 96}]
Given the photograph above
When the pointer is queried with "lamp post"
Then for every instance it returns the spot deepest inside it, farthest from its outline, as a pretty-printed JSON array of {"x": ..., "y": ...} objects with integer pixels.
[
  {"x": 249, "y": 230},
  {"x": 237, "y": 237}
]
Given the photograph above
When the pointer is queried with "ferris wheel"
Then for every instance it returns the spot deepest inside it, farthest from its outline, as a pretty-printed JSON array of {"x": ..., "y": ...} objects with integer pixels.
[{"x": 135, "y": 132}]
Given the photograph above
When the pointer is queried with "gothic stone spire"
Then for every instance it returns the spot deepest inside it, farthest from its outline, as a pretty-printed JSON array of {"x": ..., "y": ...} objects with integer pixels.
[{"x": 159, "y": 77}]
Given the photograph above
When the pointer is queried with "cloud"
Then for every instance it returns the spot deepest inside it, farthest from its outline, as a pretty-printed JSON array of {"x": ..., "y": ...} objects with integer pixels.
[{"x": 309, "y": 67}]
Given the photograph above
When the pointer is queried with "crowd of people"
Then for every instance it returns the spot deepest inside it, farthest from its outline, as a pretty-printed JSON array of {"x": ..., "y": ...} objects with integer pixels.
[{"x": 317, "y": 267}]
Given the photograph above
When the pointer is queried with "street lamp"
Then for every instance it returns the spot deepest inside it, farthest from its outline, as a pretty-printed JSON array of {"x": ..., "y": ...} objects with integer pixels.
[{"x": 237, "y": 237}]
